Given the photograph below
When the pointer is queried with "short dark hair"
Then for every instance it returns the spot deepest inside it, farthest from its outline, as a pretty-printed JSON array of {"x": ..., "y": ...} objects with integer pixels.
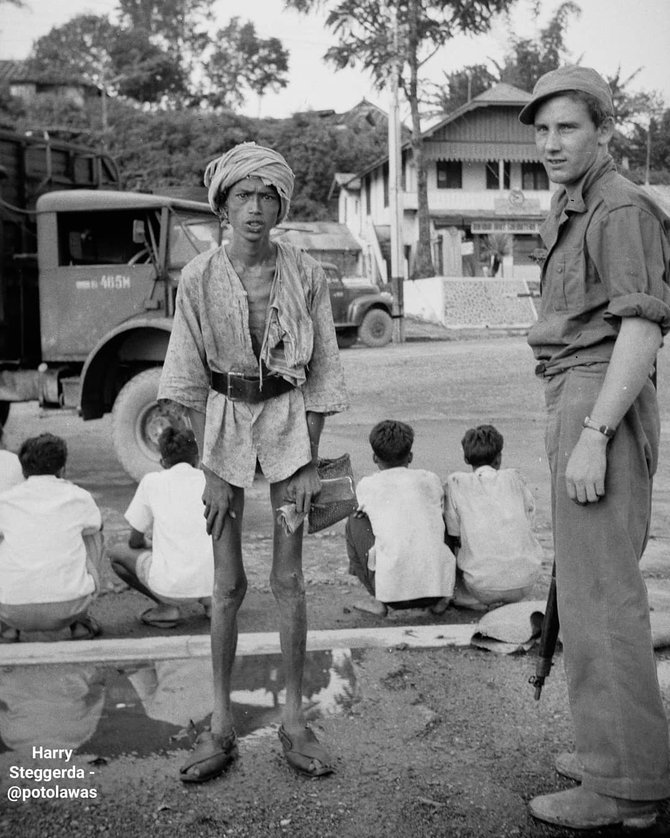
[
  {"x": 43, "y": 454},
  {"x": 597, "y": 111},
  {"x": 177, "y": 446},
  {"x": 391, "y": 440},
  {"x": 481, "y": 445}
]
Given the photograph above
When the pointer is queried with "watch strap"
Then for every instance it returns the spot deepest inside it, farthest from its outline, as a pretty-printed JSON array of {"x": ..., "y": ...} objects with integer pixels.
[{"x": 605, "y": 430}]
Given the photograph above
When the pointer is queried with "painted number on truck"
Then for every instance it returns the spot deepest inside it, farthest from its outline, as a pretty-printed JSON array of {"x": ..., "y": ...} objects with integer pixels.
[{"x": 109, "y": 282}]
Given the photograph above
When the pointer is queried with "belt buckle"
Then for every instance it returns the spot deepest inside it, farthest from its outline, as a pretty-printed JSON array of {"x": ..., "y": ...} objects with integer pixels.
[{"x": 230, "y": 377}]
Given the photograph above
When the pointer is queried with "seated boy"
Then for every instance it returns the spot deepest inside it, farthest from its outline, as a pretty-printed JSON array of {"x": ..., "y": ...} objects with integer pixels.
[
  {"x": 179, "y": 566},
  {"x": 50, "y": 548},
  {"x": 395, "y": 541},
  {"x": 10, "y": 467},
  {"x": 490, "y": 510}
]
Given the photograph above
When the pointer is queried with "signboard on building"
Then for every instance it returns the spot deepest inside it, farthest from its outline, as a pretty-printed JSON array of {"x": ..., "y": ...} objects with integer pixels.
[
  {"x": 515, "y": 202},
  {"x": 506, "y": 226}
]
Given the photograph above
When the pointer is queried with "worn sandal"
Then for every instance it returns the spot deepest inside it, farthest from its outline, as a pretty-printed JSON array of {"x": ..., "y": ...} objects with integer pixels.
[
  {"x": 212, "y": 755},
  {"x": 152, "y": 617},
  {"x": 308, "y": 757},
  {"x": 85, "y": 628}
]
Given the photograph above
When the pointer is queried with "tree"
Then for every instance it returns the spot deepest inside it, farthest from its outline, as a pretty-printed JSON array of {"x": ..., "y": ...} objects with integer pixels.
[
  {"x": 179, "y": 27},
  {"x": 459, "y": 87},
  {"x": 78, "y": 49},
  {"x": 142, "y": 70},
  {"x": 522, "y": 65},
  {"x": 531, "y": 58},
  {"x": 365, "y": 36},
  {"x": 241, "y": 61},
  {"x": 113, "y": 59}
]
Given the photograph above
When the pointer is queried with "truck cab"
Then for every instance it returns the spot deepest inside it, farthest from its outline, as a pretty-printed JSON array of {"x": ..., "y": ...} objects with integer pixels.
[{"x": 108, "y": 265}]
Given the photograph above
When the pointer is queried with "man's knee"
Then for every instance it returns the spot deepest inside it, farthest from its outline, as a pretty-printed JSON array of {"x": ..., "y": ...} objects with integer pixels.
[
  {"x": 288, "y": 586},
  {"x": 229, "y": 595}
]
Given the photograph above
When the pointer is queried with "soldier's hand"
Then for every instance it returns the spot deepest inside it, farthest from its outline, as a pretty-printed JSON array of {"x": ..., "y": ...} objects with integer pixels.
[
  {"x": 303, "y": 487},
  {"x": 218, "y": 500},
  {"x": 585, "y": 472}
]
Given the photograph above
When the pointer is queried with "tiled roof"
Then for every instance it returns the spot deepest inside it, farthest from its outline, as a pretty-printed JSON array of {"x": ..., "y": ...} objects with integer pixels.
[{"x": 17, "y": 72}]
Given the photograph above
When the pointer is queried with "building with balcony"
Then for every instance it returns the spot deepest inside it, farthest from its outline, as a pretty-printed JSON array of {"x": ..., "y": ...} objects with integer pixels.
[{"x": 487, "y": 194}]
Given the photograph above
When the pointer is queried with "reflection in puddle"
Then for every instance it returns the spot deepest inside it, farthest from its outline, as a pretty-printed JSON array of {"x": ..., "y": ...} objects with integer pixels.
[{"x": 144, "y": 708}]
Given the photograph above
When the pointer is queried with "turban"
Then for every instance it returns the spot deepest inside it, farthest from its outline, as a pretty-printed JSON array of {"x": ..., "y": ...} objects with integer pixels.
[{"x": 249, "y": 160}]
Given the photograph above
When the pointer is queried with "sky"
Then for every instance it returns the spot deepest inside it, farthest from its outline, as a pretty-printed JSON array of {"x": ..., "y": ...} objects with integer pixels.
[{"x": 630, "y": 34}]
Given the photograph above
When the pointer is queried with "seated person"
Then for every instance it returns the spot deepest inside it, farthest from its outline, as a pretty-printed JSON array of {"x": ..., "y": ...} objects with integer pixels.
[
  {"x": 179, "y": 564},
  {"x": 50, "y": 548},
  {"x": 490, "y": 511},
  {"x": 11, "y": 472},
  {"x": 395, "y": 540}
]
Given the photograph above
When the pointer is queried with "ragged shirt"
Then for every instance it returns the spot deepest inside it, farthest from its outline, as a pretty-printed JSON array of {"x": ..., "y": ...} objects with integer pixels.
[
  {"x": 608, "y": 257},
  {"x": 211, "y": 332}
]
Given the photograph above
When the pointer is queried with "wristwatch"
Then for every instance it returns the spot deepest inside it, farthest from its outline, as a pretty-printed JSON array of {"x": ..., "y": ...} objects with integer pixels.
[{"x": 605, "y": 430}]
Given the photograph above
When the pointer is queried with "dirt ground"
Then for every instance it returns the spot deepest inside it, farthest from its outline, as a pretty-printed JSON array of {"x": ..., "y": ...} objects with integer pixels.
[{"x": 433, "y": 742}]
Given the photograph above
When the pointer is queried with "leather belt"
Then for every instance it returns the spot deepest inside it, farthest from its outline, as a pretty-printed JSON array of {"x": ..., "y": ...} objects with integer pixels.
[{"x": 241, "y": 388}]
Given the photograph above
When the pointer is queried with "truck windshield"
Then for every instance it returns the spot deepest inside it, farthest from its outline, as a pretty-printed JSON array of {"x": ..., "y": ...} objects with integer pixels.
[{"x": 190, "y": 234}]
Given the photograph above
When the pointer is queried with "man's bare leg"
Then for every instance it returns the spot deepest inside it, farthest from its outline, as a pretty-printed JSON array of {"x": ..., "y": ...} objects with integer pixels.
[
  {"x": 288, "y": 587},
  {"x": 216, "y": 749},
  {"x": 230, "y": 586}
]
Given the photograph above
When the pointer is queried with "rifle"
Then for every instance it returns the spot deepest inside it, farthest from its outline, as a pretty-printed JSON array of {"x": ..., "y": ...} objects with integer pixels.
[{"x": 548, "y": 639}]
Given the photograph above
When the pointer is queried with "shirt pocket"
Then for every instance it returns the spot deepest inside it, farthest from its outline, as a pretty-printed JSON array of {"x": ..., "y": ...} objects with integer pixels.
[
  {"x": 564, "y": 280},
  {"x": 294, "y": 336}
]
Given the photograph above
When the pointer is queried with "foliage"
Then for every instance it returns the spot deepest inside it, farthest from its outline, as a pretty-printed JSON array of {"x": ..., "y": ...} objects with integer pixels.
[
  {"x": 240, "y": 61},
  {"x": 317, "y": 147},
  {"x": 524, "y": 63},
  {"x": 171, "y": 147},
  {"x": 458, "y": 88},
  {"x": 365, "y": 36},
  {"x": 531, "y": 58},
  {"x": 162, "y": 53},
  {"x": 77, "y": 49},
  {"x": 144, "y": 71}
]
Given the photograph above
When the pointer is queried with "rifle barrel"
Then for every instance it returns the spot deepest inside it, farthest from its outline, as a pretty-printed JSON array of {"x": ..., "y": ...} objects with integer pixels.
[{"x": 548, "y": 639}]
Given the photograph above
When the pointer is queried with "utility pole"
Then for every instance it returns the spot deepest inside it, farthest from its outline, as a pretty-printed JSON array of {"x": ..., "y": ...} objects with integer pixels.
[{"x": 395, "y": 191}]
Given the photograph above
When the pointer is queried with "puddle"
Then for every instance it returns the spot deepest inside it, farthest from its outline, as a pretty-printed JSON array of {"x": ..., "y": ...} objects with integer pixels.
[{"x": 151, "y": 707}]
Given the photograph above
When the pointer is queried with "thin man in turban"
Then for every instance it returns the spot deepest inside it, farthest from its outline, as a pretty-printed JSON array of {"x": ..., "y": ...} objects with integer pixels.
[{"x": 253, "y": 358}]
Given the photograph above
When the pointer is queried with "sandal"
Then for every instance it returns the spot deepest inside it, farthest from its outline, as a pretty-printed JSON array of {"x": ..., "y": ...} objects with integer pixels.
[
  {"x": 151, "y": 617},
  {"x": 85, "y": 628},
  {"x": 309, "y": 757},
  {"x": 212, "y": 755},
  {"x": 8, "y": 634}
]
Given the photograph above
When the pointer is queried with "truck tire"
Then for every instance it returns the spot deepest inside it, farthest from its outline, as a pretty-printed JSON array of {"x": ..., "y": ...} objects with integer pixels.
[
  {"x": 376, "y": 328},
  {"x": 137, "y": 422},
  {"x": 4, "y": 413}
]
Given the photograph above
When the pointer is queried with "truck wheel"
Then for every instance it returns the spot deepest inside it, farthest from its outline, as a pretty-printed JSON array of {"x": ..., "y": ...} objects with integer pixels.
[
  {"x": 4, "y": 413},
  {"x": 376, "y": 328},
  {"x": 347, "y": 338},
  {"x": 137, "y": 423}
]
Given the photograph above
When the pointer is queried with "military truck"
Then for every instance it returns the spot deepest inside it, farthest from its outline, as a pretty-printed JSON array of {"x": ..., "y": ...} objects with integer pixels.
[
  {"x": 108, "y": 266},
  {"x": 88, "y": 286}
]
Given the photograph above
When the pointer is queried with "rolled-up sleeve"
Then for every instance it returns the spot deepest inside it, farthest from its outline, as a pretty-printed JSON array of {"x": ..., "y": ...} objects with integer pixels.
[
  {"x": 184, "y": 378},
  {"x": 324, "y": 390},
  {"x": 632, "y": 253}
]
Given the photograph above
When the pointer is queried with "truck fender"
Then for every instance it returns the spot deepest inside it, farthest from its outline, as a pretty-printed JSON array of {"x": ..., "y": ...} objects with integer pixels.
[
  {"x": 361, "y": 305},
  {"x": 142, "y": 341}
]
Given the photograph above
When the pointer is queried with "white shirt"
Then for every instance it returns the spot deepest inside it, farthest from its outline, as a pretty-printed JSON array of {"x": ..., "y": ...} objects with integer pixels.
[
  {"x": 491, "y": 510},
  {"x": 405, "y": 511},
  {"x": 42, "y": 553},
  {"x": 169, "y": 505},
  {"x": 11, "y": 473}
]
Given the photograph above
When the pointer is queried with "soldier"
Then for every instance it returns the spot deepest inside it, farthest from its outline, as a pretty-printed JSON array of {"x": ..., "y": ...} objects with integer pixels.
[{"x": 605, "y": 306}]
